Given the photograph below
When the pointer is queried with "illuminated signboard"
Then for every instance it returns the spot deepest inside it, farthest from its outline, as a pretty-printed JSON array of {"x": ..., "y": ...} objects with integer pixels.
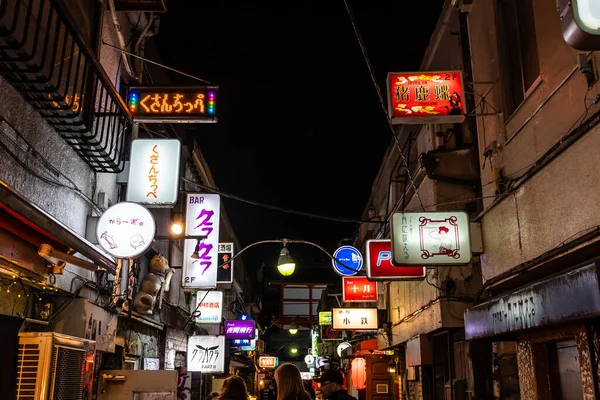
[
  {"x": 426, "y": 97},
  {"x": 380, "y": 266},
  {"x": 173, "y": 104},
  {"x": 268, "y": 362},
  {"x": 206, "y": 354},
  {"x": 325, "y": 318},
  {"x": 355, "y": 319},
  {"x": 238, "y": 329},
  {"x": 431, "y": 238},
  {"x": 358, "y": 288},
  {"x": 210, "y": 307}
]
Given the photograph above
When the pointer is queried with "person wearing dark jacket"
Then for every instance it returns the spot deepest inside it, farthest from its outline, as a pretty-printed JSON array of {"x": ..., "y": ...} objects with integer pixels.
[{"x": 332, "y": 386}]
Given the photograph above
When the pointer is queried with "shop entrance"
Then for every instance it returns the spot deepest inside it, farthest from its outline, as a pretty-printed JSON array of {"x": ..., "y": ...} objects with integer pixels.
[{"x": 563, "y": 366}]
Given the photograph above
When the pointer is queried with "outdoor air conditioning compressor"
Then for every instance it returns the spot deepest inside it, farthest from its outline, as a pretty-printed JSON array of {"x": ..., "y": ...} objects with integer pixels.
[{"x": 54, "y": 366}]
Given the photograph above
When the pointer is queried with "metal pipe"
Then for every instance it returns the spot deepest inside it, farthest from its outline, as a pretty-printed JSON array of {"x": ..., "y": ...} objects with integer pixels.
[{"x": 119, "y": 32}]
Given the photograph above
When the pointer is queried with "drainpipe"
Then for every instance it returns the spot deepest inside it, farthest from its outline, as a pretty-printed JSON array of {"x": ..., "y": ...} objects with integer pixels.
[{"x": 119, "y": 32}]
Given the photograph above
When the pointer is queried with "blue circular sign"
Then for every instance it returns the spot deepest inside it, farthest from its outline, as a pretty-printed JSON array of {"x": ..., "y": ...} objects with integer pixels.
[{"x": 351, "y": 259}]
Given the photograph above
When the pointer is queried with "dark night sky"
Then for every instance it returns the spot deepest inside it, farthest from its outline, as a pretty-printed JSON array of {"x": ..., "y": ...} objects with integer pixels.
[{"x": 300, "y": 125}]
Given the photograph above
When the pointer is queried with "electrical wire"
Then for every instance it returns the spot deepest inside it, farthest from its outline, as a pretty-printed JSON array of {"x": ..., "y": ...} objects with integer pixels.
[
  {"x": 157, "y": 64},
  {"x": 363, "y": 50}
]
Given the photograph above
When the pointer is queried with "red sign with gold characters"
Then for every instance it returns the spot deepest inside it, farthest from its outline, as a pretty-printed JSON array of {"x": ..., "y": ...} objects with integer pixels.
[
  {"x": 426, "y": 97},
  {"x": 358, "y": 288}
]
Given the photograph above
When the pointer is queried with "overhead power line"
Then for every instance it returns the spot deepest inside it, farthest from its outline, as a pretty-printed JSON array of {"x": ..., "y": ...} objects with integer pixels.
[{"x": 363, "y": 49}]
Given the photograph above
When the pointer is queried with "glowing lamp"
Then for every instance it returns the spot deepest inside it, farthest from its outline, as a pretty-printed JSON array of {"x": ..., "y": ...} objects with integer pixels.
[
  {"x": 285, "y": 263},
  {"x": 359, "y": 373},
  {"x": 293, "y": 329},
  {"x": 176, "y": 228}
]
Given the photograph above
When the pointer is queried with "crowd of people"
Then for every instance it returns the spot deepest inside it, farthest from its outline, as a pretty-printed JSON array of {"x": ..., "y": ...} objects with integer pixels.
[{"x": 290, "y": 386}]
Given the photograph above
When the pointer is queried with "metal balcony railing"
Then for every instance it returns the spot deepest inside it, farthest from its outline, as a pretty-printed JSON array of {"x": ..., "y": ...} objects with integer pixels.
[{"x": 45, "y": 58}]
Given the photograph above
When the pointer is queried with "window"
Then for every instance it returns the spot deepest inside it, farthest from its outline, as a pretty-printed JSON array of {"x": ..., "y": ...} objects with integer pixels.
[{"x": 518, "y": 51}]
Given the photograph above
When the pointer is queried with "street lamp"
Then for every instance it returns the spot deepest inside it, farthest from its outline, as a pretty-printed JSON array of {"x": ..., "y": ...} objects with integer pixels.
[
  {"x": 293, "y": 329},
  {"x": 285, "y": 263}
]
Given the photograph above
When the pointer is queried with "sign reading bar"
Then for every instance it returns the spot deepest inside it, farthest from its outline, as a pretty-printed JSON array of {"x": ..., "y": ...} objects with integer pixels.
[
  {"x": 358, "y": 288},
  {"x": 206, "y": 354},
  {"x": 432, "y": 238},
  {"x": 154, "y": 172},
  {"x": 380, "y": 267},
  {"x": 268, "y": 362},
  {"x": 358, "y": 319},
  {"x": 173, "y": 104},
  {"x": 200, "y": 257},
  {"x": 426, "y": 97}
]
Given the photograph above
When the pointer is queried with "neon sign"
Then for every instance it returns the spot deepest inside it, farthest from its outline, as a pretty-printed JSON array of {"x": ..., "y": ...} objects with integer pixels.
[{"x": 173, "y": 104}]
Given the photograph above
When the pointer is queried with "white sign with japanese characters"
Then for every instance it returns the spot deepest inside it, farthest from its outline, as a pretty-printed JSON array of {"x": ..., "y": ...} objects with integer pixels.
[
  {"x": 355, "y": 319},
  {"x": 200, "y": 258},
  {"x": 154, "y": 172},
  {"x": 210, "y": 307},
  {"x": 125, "y": 230},
  {"x": 432, "y": 238},
  {"x": 206, "y": 354}
]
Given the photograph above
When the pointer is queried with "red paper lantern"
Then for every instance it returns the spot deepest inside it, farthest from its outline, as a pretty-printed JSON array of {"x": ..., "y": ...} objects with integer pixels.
[{"x": 359, "y": 373}]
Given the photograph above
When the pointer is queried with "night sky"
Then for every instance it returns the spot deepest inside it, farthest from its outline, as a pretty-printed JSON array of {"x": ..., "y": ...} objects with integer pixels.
[{"x": 300, "y": 125}]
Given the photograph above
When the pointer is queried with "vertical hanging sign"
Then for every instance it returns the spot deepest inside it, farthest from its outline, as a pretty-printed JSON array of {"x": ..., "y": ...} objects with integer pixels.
[{"x": 200, "y": 252}]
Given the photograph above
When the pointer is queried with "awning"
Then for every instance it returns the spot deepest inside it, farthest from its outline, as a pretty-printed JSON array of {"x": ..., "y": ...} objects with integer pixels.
[{"x": 21, "y": 206}]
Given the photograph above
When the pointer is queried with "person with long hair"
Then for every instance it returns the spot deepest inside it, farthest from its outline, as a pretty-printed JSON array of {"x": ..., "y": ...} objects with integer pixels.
[
  {"x": 234, "y": 388},
  {"x": 289, "y": 383}
]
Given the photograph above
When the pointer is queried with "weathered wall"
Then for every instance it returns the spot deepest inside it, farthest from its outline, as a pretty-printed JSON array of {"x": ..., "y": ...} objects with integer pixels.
[
  {"x": 175, "y": 341},
  {"x": 540, "y": 214}
]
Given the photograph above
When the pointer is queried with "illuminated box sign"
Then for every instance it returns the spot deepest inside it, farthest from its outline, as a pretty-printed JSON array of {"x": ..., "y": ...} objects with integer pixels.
[
  {"x": 238, "y": 329},
  {"x": 380, "y": 266},
  {"x": 358, "y": 288},
  {"x": 431, "y": 238},
  {"x": 210, "y": 307},
  {"x": 154, "y": 172},
  {"x": 206, "y": 354},
  {"x": 268, "y": 362},
  {"x": 225, "y": 255},
  {"x": 325, "y": 318},
  {"x": 191, "y": 104},
  {"x": 357, "y": 319},
  {"x": 426, "y": 97}
]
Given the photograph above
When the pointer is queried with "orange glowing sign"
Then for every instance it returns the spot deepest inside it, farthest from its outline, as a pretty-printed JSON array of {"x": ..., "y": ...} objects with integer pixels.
[
  {"x": 173, "y": 104},
  {"x": 268, "y": 362},
  {"x": 426, "y": 97}
]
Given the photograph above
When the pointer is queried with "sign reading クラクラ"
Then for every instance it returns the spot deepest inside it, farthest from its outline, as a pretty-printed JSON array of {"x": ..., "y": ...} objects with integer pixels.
[
  {"x": 206, "y": 354},
  {"x": 358, "y": 288},
  {"x": 380, "y": 266},
  {"x": 426, "y": 97},
  {"x": 173, "y": 104},
  {"x": 200, "y": 255},
  {"x": 432, "y": 238}
]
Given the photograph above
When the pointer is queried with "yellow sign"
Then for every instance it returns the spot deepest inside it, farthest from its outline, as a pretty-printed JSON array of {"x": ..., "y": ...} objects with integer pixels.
[
  {"x": 173, "y": 104},
  {"x": 325, "y": 318}
]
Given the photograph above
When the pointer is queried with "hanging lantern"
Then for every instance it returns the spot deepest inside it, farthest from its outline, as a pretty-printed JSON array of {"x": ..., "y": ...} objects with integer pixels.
[{"x": 359, "y": 373}]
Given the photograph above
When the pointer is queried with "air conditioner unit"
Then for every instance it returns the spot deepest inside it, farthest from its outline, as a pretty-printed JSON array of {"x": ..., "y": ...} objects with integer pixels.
[{"x": 53, "y": 366}]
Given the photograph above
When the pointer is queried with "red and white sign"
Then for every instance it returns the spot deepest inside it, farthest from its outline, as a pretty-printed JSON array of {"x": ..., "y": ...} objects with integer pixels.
[
  {"x": 358, "y": 288},
  {"x": 426, "y": 97},
  {"x": 380, "y": 267}
]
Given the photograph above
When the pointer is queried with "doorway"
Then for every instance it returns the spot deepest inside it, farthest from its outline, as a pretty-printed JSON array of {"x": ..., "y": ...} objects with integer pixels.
[{"x": 563, "y": 366}]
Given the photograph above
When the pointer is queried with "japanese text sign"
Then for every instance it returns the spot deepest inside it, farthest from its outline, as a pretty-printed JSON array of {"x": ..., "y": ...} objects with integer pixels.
[
  {"x": 431, "y": 238},
  {"x": 210, "y": 307},
  {"x": 206, "y": 354},
  {"x": 154, "y": 172},
  {"x": 225, "y": 255},
  {"x": 357, "y": 319},
  {"x": 380, "y": 266},
  {"x": 268, "y": 362},
  {"x": 238, "y": 329},
  {"x": 426, "y": 97},
  {"x": 358, "y": 288},
  {"x": 325, "y": 318},
  {"x": 173, "y": 104},
  {"x": 201, "y": 255},
  {"x": 125, "y": 230}
]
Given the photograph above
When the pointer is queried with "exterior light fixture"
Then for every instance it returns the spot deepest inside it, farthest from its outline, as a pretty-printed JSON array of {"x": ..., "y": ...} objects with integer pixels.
[
  {"x": 195, "y": 254},
  {"x": 176, "y": 228},
  {"x": 293, "y": 329},
  {"x": 294, "y": 350},
  {"x": 392, "y": 367},
  {"x": 285, "y": 263}
]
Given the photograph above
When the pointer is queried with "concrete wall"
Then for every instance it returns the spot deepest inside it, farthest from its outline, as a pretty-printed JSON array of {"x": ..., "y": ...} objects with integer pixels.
[
  {"x": 561, "y": 200},
  {"x": 175, "y": 341}
]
